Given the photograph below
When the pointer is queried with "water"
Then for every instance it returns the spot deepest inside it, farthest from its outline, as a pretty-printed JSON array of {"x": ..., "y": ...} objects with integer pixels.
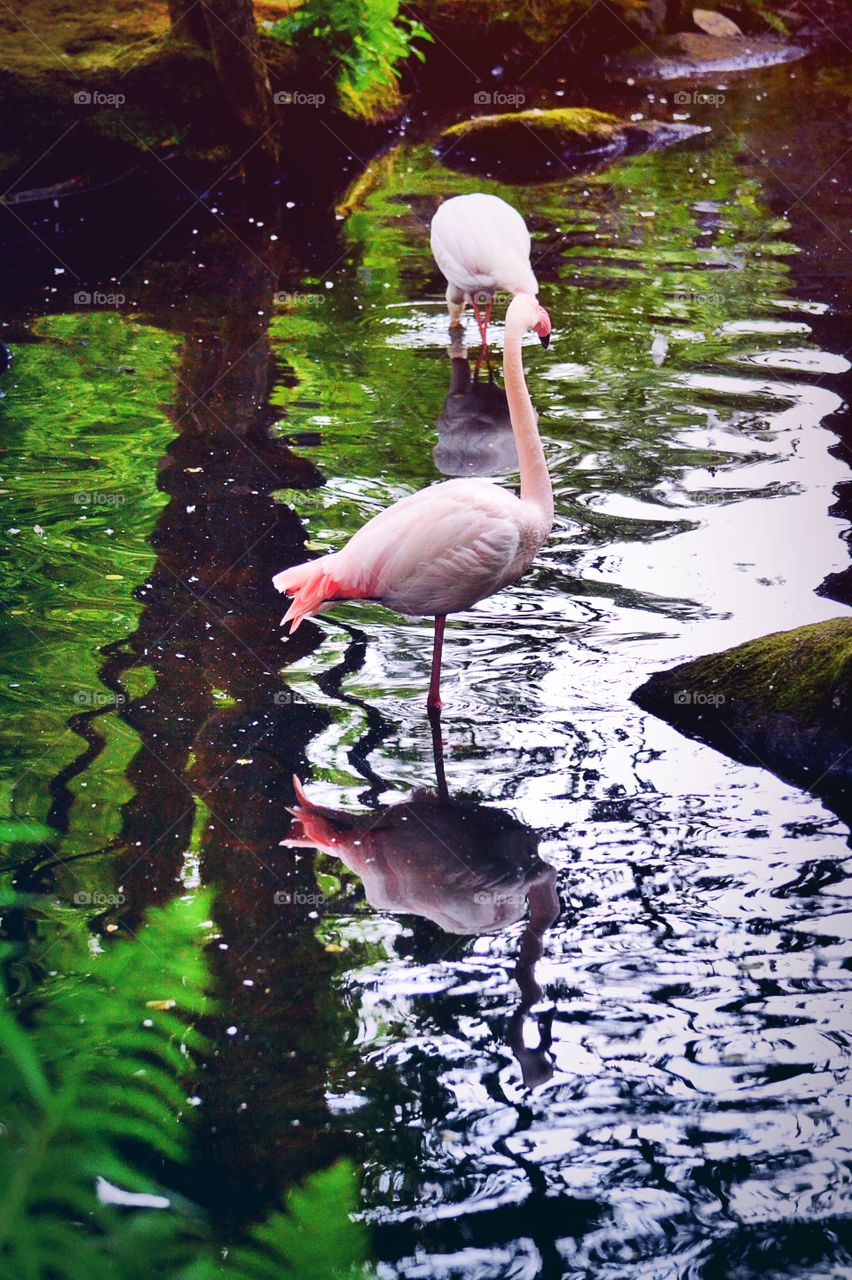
[{"x": 650, "y": 1076}]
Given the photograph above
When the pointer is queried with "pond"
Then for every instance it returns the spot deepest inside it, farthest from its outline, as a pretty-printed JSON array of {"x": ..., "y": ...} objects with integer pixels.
[{"x": 591, "y": 1016}]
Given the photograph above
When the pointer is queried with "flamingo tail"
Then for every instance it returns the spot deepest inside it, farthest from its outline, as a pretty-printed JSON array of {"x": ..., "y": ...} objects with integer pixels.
[{"x": 310, "y": 585}]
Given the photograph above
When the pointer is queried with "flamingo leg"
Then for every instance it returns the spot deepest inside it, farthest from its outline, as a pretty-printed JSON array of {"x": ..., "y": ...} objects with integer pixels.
[
  {"x": 438, "y": 753},
  {"x": 478, "y": 317},
  {"x": 484, "y": 354},
  {"x": 433, "y": 702},
  {"x": 483, "y": 322}
]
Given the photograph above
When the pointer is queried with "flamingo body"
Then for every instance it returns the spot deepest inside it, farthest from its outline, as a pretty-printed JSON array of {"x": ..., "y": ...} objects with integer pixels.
[
  {"x": 482, "y": 246},
  {"x": 435, "y": 552},
  {"x": 445, "y": 548}
]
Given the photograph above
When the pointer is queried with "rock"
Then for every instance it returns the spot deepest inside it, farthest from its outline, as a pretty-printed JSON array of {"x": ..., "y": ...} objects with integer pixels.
[
  {"x": 783, "y": 702},
  {"x": 692, "y": 53},
  {"x": 715, "y": 24},
  {"x": 532, "y": 145}
]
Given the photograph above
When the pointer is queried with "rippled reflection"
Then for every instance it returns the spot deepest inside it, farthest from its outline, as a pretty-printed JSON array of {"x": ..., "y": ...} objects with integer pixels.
[
  {"x": 475, "y": 435},
  {"x": 469, "y": 869}
]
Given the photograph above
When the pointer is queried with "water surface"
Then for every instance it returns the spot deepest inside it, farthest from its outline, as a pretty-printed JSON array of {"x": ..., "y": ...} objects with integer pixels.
[{"x": 647, "y": 1076}]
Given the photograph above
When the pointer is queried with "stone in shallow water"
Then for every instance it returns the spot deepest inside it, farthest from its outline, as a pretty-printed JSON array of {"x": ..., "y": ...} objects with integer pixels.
[
  {"x": 783, "y": 702},
  {"x": 694, "y": 53},
  {"x": 534, "y": 145}
]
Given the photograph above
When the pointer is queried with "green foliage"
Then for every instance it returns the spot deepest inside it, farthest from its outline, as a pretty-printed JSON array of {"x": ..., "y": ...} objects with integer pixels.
[
  {"x": 313, "y": 1240},
  {"x": 763, "y": 10},
  {"x": 96, "y": 1068},
  {"x": 366, "y": 40}
]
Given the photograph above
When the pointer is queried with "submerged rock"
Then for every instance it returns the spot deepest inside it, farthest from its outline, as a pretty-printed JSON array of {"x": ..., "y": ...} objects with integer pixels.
[
  {"x": 528, "y": 145},
  {"x": 691, "y": 53},
  {"x": 783, "y": 702}
]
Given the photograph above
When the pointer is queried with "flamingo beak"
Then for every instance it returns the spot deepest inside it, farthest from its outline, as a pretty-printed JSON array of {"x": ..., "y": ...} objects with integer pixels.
[{"x": 543, "y": 327}]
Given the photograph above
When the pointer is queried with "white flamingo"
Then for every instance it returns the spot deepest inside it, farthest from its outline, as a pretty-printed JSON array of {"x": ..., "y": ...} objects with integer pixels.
[{"x": 482, "y": 246}]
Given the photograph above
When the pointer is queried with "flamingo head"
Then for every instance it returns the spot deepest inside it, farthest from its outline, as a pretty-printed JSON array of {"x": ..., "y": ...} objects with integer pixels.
[
  {"x": 526, "y": 310},
  {"x": 543, "y": 327}
]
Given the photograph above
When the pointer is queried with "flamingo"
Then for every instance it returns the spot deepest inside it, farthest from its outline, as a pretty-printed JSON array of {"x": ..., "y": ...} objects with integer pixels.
[
  {"x": 445, "y": 548},
  {"x": 482, "y": 245}
]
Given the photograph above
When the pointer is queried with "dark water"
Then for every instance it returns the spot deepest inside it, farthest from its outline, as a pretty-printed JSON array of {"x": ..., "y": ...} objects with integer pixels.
[{"x": 647, "y": 1076}]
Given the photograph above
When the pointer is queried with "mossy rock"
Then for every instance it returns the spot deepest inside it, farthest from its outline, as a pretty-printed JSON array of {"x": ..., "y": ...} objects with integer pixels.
[
  {"x": 783, "y": 702},
  {"x": 691, "y": 53},
  {"x": 529, "y": 146}
]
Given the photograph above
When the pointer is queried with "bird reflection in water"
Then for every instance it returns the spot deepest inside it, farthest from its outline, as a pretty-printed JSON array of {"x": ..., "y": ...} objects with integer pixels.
[
  {"x": 475, "y": 436},
  {"x": 470, "y": 869}
]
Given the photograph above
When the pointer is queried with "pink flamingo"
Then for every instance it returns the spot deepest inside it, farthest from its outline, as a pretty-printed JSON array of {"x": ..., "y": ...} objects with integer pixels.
[
  {"x": 482, "y": 245},
  {"x": 445, "y": 548}
]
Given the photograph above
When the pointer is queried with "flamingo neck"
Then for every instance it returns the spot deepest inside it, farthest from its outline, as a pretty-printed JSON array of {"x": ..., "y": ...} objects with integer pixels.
[{"x": 535, "y": 477}]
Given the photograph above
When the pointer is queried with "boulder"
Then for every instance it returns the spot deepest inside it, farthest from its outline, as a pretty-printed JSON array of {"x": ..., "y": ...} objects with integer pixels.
[
  {"x": 783, "y": 702},
  {"x": 692, "y": 53},
  {"x": 534, "y": 145}
]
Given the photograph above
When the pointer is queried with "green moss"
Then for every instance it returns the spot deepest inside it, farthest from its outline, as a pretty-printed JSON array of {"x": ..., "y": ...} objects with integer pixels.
[
  {"x": 806, "y": 673},
  {"x": 783, "y": 701},
  {"x": 578, "y": 127}
]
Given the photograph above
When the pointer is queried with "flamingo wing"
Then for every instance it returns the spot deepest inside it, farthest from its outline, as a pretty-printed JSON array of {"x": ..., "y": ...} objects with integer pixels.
[
  {"x": 439, "y": 550},
  {"x": 481, "y": 243}
]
